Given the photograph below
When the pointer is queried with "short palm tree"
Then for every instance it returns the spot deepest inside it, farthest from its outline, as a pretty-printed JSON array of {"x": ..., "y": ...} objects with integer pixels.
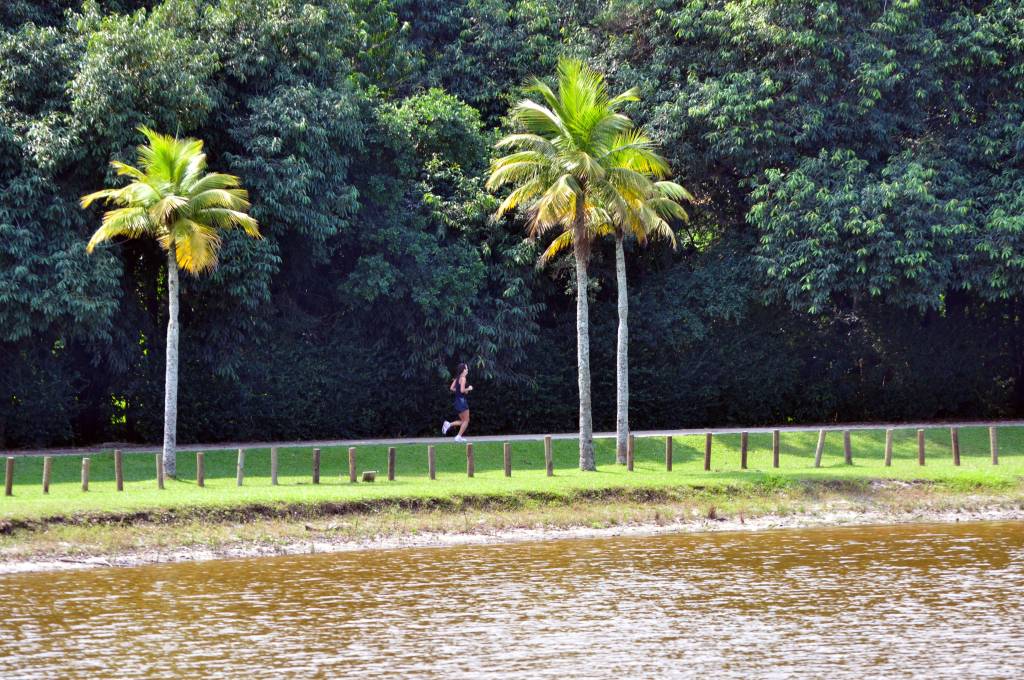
[
  {"x": 650, "y": 218},
  {"x": 574, "y": 151},
  {"x": 173, "y": 200}
]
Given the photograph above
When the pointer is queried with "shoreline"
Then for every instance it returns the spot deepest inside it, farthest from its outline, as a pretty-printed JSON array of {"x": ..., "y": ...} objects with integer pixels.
[{"x": 168, "y": 544}]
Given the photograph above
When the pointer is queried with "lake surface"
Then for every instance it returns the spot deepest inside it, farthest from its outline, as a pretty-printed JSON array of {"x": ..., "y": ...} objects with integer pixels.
[{"x": 942, "y": 601}]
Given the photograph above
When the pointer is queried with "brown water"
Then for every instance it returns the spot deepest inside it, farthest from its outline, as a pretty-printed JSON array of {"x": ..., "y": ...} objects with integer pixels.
[{"x": 909, "y": 601}]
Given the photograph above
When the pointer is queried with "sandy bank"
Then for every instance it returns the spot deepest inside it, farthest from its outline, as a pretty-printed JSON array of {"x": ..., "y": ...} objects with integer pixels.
[{"x": 349, "y": 533}]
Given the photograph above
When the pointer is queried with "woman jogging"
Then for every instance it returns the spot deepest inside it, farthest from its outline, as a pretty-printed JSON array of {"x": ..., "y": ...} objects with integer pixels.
[{"x": 460, "y": 389}]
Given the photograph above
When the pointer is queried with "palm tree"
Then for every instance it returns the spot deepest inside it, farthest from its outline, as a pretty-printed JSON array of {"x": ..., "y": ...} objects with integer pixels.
[
  {"x": 174, "y": 200},
  {"x": 574, "y": 152},
  {"x": 650, "y": 219}
]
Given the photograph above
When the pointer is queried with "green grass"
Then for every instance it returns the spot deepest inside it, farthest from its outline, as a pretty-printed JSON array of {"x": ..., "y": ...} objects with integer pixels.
[{"x": 295, "y": 486}]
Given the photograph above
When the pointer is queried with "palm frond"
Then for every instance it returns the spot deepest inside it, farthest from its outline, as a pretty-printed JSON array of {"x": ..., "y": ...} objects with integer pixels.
[
  {"x": 527, "y": 141},
  {"x": 521, "y": 195},
  {"x": 633, "y": 185},
  {"x": 192, "y": 165},
  {"x": 124, "y": 169},
  {"x": 553, "y": 102},
  {"x": 635, "y": 150},
  {"x": 236, "y": 199},
  {"x": 585, "y": 166},
  {"x": 598, "y": 224},
  {"x": 225, "y": 218},
  {"x": 599, "y": 220},
  {"x": 580, "y": 88},
  {"x": 107, "y": 195},
  {"x": 606, "y": 127},
  {"x": 503, "y": 172},
  {"x": 195, "y": 246},
  {"x": 630, "y": 95},
  {"x": 126, "y": 222},
  {"x": 556, "y": 206},
  {"x": 668, "y": 209},
  {"x": 213, "y": 180},
  {"x": 174, "y": 200},
  {"x": 538, "y": 119},
  {"x": 562, "y": 243},
  {"x": 576, "y": 150},
  {"x": 621, "y": 212},
  {"x": 674, "y": 191},
  {"x": 661, "y": 230},
  {"x": 164, "y": 210}
]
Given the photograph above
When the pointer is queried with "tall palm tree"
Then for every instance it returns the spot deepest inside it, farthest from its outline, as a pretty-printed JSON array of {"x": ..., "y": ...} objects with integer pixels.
[
  {"x": 653, "y": 215},
  {"x": 574, "y": 151},
  {"x": 174, "y": 200},
  {"x": 650, "y": 218}
]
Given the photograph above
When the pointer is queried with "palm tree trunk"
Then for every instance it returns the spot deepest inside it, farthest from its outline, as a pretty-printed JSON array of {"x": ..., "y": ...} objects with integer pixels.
[
  {"x": 171, "y": 375},
  {"x": 583, "y": 363},
  {"x": 621, "y": 357}
]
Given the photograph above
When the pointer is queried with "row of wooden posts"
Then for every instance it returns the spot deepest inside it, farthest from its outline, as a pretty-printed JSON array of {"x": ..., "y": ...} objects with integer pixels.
[
  {"x": 507, "y": 451},
  {"x": 819, "y": 450},
  {"x": 240, "y": 467}
]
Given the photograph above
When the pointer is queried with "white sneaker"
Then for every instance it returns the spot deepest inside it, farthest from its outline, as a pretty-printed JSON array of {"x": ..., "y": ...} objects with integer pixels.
[
  {"x": 444, "y": 428},
  {"x": 459, "y": 439}
]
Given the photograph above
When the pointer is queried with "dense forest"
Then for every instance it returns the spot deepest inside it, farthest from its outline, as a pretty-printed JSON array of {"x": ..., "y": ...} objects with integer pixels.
[{"x": 856, "y": 250}]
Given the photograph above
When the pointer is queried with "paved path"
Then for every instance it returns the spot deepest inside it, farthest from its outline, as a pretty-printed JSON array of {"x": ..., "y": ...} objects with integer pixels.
[{"x": 324, "y": 443}]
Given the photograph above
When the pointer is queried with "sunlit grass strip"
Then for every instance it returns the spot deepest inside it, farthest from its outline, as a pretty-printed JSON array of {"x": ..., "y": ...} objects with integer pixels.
[{"x": 796, "y": 461}]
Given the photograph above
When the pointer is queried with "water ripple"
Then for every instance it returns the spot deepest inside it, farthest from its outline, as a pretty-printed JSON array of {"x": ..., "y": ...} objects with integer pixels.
[{"x": 942, "y": 601}]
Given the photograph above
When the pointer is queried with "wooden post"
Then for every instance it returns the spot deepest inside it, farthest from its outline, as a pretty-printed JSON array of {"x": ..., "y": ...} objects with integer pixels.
[
  {"x": 630, "y": 451},
  {"x": 159, "y": 471},
  {"x": 470, "y": 463},
  {"x": 744, "y": 440},
  {"x": 240, "y": 468},
  {"x": 993, "y": 443},
  {"x": 668, "y": 453},
  {"x": 820, "y": 449},
  {"x": 316, "y": 466},
  {"x": 888, "y": 447},
  {"x": 118, "y": 470},
  {"x": 847, "y": 448},
  {"x": 432, "y": 462},
  {"x": 954, "y": 435},
  {"x": 775, "y": 448},
  {"x": 9, "y": 477},
  {"x": 549, "y": 463},
  {"x": 391, "y": 463},
  {"x": 200, "y": 469},
  {"x": 352, "y": 464},
  {"x": 273, "y": 466},
  {"x": 707, "y": 451},
  {"x": 920, "y": 447},
  {"x": 507, "y": 456},
  {"x": 85, "y": 474},
  {"x": 47, "y": 469}
]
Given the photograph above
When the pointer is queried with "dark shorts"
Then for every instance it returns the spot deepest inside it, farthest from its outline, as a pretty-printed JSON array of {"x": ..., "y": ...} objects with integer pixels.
[{"x": 461, "y": 404}]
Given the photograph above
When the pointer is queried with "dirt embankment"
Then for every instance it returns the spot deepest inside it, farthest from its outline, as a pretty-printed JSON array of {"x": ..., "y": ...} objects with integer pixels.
[{"x": 263, "y": 530}]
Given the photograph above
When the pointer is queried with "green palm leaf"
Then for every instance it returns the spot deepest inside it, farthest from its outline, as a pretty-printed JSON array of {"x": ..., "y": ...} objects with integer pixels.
[
  {"x": 175, "y": 201},
  {"x": 575, "y": 143}
]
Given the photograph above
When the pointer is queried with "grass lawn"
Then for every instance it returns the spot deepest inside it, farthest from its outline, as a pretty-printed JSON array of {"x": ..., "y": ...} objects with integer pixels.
[{"x": 528, "y": 477}]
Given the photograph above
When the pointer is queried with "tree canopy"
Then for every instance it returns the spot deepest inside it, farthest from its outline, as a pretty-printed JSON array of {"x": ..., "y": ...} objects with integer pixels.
[{"x": 854, "y": 248}]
